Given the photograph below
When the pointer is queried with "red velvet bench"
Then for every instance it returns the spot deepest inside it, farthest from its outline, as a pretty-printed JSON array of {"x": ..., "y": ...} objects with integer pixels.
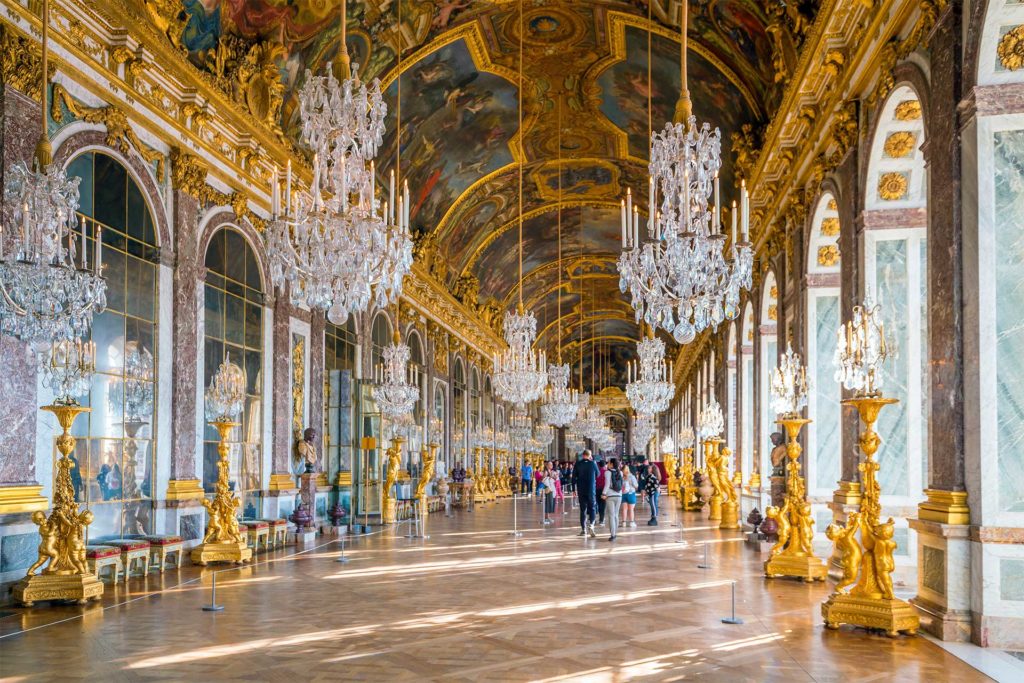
[
  {"x": 164, "y": 546},
  {"x": 257, "y": 529},
  {"x": 278, "y": 532},
  {"x": 100, "y": 556},
  {"x": 133, "y": 551}
]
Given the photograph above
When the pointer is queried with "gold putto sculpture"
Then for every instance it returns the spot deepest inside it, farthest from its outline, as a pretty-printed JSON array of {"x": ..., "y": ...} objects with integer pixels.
[
  {"x": 389, "y": 505},
  {"x": 62, "y": 534},
  {"x": 223, "y": 541},
  {"x": 792, "y": 554}
]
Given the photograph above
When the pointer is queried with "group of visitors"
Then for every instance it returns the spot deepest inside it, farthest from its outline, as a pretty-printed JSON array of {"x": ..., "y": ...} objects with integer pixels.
[{"x": 608, "y": 491}]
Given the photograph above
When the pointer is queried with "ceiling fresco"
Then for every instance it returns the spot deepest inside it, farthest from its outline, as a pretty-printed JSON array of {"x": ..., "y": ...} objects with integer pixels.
[{"x": 585, "y": 97}]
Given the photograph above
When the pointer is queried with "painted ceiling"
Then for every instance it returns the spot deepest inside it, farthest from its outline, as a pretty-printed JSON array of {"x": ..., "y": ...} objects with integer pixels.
[{"x": 461, "y": 143}]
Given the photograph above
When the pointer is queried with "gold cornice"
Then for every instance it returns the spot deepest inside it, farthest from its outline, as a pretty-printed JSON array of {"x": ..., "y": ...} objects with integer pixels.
[
  {"x": 22, "y": 498},
  {"x": 441, "y": 308}
]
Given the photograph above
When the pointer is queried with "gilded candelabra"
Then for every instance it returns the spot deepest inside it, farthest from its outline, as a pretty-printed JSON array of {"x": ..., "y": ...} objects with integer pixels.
[
  {"x": 389, "y": 505},
  {"x": 62, "y": 533},
  {"x": 223, "y": 541},
  {"x": 868, "y": 563},
  {"x": 691, "y": 499},
  {"x": 792, "y": 554},
  {"x": 428, "y": 457},
  {"x": 670, "y": 467},
  {"x": 718, "y": 471},
  {"x": 711, "y": 472}
]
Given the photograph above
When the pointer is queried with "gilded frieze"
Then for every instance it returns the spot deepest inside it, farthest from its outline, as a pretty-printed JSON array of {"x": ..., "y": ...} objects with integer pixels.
[
  {"x": 908, "y": 110},
  {"x": 19, "y": 62},
  {"x": 892, "y": 186},
  {"x": 828, "y": 255},
  {"x": 899, "y": 144}
]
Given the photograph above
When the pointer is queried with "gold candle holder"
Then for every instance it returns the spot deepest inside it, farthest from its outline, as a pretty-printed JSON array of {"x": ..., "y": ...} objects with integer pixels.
[
  {"x": 792, "y": 554},
  {"x": 690, "y": 497},
  {"x": 389, "y": 506},
  {"x": 223, "y": 541},
  {"x": 867, "y": 562},
  {"x": 62, "y": 533}
]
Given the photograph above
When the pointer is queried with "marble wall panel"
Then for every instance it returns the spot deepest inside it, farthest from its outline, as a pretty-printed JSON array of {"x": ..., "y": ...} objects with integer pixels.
[
  {"x": 827, "y": 446},
  {"x": 18, "y": 551}
]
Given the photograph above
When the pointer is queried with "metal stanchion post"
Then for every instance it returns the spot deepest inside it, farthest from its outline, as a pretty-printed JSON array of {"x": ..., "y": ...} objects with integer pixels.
[
  {"x": 213, "y": 606},
  {"x": 342, "y": 559},
  {"x": 515, "y": 518},
  {"x": 704, "y": 564},
  {"x": 733, "y": 619}
]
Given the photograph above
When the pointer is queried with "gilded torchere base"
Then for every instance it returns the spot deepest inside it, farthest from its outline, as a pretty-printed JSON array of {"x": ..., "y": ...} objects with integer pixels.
[
  {"x": 78, "y": 587},
  {"x": 389, "y": 513},
  {"x": 221, "y": 552},
  {"x": 892, "y": 616},
  {"x": 806, "y": 567},
  {"x": 730, "y": 515},
  {"x": 715, "y": 508},
  {"x": 691, "y": 499}
]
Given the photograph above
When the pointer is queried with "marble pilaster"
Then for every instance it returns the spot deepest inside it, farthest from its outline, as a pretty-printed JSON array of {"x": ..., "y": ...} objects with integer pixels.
[
  {"x": 281, "y": 479},
  {"x": 188, "y": 293},
  {"x": 19, "y": 131},
  {"x": 315, "y": 390}
]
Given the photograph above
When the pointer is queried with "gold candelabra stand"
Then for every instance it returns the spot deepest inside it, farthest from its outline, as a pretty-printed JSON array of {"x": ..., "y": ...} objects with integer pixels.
[
  {"x": 723, "y": 506},
  {"x": 792, "y": 554},
  {"x": 478, "y": 473},
  {"x": 670, "y": 467},
  {"x": 62, "y": 533},
  {"x": 691, "y": 498},
  {"x": 711, "y": 471},
  {"x": 428, "y": 460},
  {"x": 223, "y": 541},
  {"x": 867, "y": 562},
  {"x": 389, "y": 506}
]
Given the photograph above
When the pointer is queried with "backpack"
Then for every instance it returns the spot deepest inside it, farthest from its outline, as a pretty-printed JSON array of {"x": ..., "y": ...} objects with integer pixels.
[{"x": 616, "y": 481}]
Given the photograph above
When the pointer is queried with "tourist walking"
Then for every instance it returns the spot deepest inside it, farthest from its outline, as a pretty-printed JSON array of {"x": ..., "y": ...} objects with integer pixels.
[
  {"x": 652, "y": 488},
  {"x": 585, "y": 483},
  {"x": 548, "y": 482},
  {"x": 600, "y": 487},
  {"x": 527, "y": 478},
  {"x": 612, "y": 496},
  {"x": 556, "y": 477},
  {"x": 629, "y": 488}
]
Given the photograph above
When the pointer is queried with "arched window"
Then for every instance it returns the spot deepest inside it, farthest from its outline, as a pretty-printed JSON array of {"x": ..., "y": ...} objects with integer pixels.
[
  {"x": 823, "y": 320},
  {"x": 769, "y": 352},
  {"x": 234, "y": 331},
  {"x": 380, "y": 336},
  {"x": 339, "y": 365},
  {"x": 459, "y": 401},
  {"x": 895, "y": 275},
  {"x": 115, "y": 452},
  {"x": 416, "y": 361}
]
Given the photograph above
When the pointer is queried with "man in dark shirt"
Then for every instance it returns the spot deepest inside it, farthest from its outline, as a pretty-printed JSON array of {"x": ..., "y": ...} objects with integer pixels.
[{"x": 585, "y": 480}]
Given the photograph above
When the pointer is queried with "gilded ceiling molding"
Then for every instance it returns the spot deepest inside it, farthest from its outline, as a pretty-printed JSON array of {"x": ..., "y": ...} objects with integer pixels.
[
  {"x": 188, "y": 174},
  {"x": 119, "y": 132},
  {"x": 19, "y": 63},
  {"x": 896, "y": 50}
]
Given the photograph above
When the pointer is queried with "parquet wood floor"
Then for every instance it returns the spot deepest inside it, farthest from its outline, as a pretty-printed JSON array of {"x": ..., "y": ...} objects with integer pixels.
[{"x": 472, "y": 603}]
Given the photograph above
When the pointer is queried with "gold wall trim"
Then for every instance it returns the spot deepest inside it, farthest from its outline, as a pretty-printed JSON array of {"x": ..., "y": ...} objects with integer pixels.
[
  {"x": 945, "y": 507},
  {"x": 22, "y": 498},
  {"x": 184, "y": 489}
]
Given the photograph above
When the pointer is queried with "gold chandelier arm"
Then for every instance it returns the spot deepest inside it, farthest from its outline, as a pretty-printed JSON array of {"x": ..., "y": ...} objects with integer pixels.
[
  {"x": 559, "y": 296},
  {"x": 44, "y": 152},
  {"x": 346, "y": 61},
  {"x": 522, "y": 156},
  {"x": 684, "y": 107}
]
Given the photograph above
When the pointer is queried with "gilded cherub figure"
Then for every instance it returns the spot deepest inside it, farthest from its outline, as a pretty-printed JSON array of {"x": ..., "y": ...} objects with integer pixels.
[
  {"x": 48, "y": 539},
  {"x": 784, "y": 528},
  {"x": 882, "y": 556},
  {"x": 849, "y": 550}
]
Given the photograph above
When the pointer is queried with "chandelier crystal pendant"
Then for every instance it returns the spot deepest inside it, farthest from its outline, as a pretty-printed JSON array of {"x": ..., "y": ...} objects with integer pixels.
[
  {"x": 562, "y": 402},
  {"x": 49, "y": 286},
  {"x": 225, "y": 397},
  {"x": 649, "y": 388},
  {"x": 544, "y": 435},
  {"x": 861, "y": 349},
  {"x": 643, "y": 432},
  {"x": 711, "y": 422},
  {"x": 520, "y": 430},
  {"x": 520, "y": 372},
  {"x": 788, "y": 384},
  {"x": 335, "y": 245},
  {"x": 679, "y": 279},
  {"x": 686, "y": 437},
  {"x": 397, "y": 384},
  {"x": 68, "y": 370}
]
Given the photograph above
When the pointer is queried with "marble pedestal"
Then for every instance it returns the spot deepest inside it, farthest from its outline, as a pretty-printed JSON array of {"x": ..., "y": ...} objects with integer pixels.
[{"x": 943, "y": 579}]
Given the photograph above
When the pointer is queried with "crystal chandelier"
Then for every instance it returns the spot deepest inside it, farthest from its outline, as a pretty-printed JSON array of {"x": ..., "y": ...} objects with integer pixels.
[
  {"x": 711, "y": 422},
  {"x": 335, "y": 245},
  {"x": 643, "y": 432},
  {"x": 544, "y": 435},
  {"x": 519, "y": 376},
  {"x": 138, "y": 383},
  {"x": 680, "y": 279},
  {"x": 649, "y": 387},
  {"x": 668, "y": 445},
  {"x": 686, "y": 437},
  {"x": 225, "y": 397},
  {"x": 861, "y": 349},
  {"x": 520, "y": 373},
  {"x": 561, "y": 406},
  {"x": 788, "y": 385},
  {"x": 69, "y": 368},
  {"x": 397, "y": 383},
  {"x": 520, "y": 430},
  {"x": 435, "y": 430},
  {"x": 49, "y": 288}
]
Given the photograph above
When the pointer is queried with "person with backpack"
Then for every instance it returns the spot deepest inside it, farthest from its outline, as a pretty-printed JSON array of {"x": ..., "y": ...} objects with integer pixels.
[
  {"x": 585, "y": 483},
  {"x": 629, "y": 489},
  {"x": 548, "y": 486},
  {"x": 612, "y": 496}
]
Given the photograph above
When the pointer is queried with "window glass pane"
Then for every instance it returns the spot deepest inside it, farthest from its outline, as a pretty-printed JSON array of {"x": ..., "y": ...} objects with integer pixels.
[
  {"x": 892, "y": 296},
  {"x": 234, "y": 253},
  {"x": 826, "y": 394},
  {"x": 136, "y": 209},
  {"x": 253, "y": 324},
  {"x": 114, "y": 268},
  {"x": 234, "y": 320},
  {"x": 141, "y": 282},
  {"x": 81, "y": 166},
  {"x": 1009, "y": 263},
  {"x": 110, "y": 192}
]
